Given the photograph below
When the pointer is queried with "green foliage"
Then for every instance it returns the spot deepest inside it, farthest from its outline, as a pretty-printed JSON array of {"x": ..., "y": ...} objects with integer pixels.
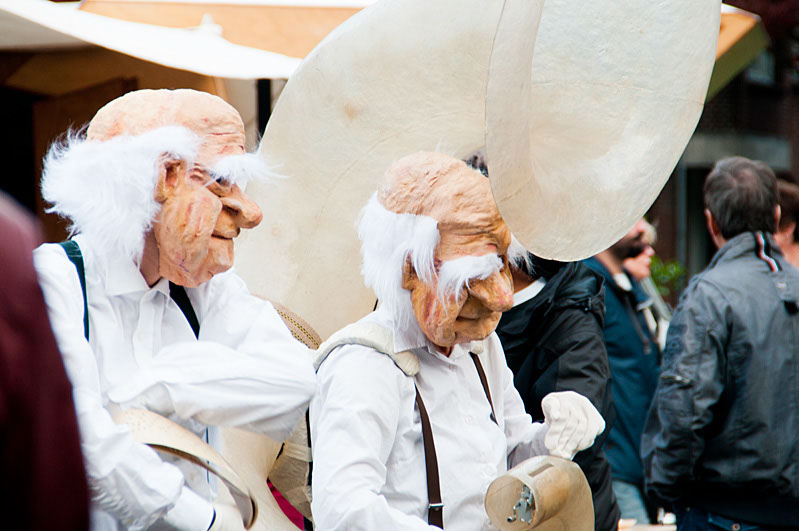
[{"x": 667, "y": 276}]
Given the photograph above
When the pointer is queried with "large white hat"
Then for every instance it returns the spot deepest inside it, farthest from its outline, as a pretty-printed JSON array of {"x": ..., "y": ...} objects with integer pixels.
[
  {"x": 617, "y": 89},
  {"x": 582, "y": 127}
]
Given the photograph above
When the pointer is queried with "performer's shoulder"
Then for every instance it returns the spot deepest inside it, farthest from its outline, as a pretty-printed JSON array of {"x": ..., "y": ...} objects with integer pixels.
[{"x": 51, "y": 262}]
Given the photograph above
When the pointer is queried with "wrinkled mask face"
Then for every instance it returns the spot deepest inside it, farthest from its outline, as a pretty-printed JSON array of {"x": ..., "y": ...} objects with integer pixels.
[
  {"x": 473, "y": 312},
  {"x": 200, "y": 215}
]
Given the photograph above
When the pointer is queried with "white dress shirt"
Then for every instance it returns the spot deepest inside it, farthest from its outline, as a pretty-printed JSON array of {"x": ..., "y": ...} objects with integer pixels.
[
  {"x": 369, "y": 466},
  {"x": 525, "y": 294},
  {"x": 246, "y": 370}
]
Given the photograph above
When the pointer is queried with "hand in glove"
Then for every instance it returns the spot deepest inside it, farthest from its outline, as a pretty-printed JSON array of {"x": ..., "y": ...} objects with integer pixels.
[
  {"x": 573, "y": 423},
  {"x": 226, "y": 518}
]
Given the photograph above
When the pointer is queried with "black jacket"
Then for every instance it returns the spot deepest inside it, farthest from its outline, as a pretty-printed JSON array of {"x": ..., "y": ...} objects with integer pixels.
[
  {"x": 723, "y": 431},
  {"x": 553, "y": 342}
]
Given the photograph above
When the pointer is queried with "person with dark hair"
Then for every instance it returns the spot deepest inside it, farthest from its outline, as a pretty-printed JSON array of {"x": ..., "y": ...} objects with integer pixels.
[
  {"x": 657, "y": 312},
  {"x": 787, "y": 235},
  {"x": 552, "y": 338},
  {"x": 740, "y": 196},
  {"x": 722, "y": 436}
]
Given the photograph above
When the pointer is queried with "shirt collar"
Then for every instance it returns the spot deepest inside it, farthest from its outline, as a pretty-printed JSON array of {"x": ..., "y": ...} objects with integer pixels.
[
  {"x": 122, "y": 276},
  {"x": 525, "y": 294}
]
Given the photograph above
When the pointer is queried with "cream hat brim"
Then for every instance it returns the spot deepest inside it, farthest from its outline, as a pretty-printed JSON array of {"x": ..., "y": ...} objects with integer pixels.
[{"x": 617, "y": 89}]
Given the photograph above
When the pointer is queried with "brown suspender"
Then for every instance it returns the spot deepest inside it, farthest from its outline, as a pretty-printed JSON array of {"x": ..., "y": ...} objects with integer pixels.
[
  {"x": 484, "y": 381},
  {"x": 435, "y": 511}
]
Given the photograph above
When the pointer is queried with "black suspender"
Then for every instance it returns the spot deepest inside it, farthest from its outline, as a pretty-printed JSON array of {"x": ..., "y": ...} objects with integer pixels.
[
  {"x": 435, "y": 511},
  {"x": 177, "y": 293},
  {"x": 181, "y": 298},
  {"x": 76, "y": 257}
]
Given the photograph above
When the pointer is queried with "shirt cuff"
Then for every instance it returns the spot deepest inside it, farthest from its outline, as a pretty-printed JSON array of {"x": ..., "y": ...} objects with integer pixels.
[{"x": 191, "y": 512}]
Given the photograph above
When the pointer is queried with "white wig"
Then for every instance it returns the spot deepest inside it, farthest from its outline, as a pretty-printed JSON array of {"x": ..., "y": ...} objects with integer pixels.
[
  {"x": 241, "y": 169},
  {"x": 388, "y": 240},
  {"x": 106, "y": 189}
]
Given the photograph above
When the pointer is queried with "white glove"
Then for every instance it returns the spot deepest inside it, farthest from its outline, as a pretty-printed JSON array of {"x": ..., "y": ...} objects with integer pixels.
[
  {"x": 227, "y": 518},
  {"x": 573, "y": 423}
]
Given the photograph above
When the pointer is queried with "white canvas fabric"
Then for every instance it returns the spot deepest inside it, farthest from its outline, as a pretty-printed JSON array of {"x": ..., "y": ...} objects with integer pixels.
[
  {"x": 580, "y": 133},
  {"x": 415, "y": 80},
  {"x": 613, "y": 93}
]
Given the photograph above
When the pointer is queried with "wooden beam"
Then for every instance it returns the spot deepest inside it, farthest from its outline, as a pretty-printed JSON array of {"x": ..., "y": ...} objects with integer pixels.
[
  {"x": 57, "y": 73},
  {"x": 10, "y": 62}
]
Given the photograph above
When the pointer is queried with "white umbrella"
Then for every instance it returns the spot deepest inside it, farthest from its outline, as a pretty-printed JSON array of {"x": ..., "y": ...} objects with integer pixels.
[{"x": 27, "y": 25}]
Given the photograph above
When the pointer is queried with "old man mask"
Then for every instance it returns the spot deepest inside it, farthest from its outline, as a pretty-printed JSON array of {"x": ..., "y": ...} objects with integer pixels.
[
  {"x": 435, "y": 249},
  {"x": 166, "y": 168}
]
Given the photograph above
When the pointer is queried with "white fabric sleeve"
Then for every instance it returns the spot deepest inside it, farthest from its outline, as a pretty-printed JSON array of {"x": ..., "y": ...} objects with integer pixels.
[
  {"x": 246, "y": 370},
  {"x": 525, "y": 437},
  {"x": 354, "y": 420},
  {"x": 126, "y": 478}
]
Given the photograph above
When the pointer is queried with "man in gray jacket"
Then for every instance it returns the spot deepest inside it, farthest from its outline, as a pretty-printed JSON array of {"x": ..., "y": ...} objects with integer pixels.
[{"x": 722, "y": 437}]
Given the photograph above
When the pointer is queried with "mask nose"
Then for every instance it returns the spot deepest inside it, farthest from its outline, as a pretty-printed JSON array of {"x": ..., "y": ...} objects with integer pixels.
[
  {"x": 495, "y": 292},
  {"x": 244, "y": 211}
]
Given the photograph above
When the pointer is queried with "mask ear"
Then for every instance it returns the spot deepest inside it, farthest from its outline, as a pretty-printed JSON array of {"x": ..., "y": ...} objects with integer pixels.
[
  {"x": 408, "y": 275},
  {"x": 171, "y": 172}
]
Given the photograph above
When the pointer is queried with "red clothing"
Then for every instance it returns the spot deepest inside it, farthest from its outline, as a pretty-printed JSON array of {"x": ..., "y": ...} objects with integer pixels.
[
  {"x": 288, "y": 509},
  {"x": 43, "y": 483}
]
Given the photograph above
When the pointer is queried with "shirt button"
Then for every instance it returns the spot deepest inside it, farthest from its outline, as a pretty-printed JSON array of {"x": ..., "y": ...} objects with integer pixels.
[
  {"x": 453, "y": 368},
  {"x": 469, "y": 419}
]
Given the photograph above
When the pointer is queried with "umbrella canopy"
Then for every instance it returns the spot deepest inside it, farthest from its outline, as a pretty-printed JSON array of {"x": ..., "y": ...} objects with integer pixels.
[
  {"x": 290, "y": 27},
  {"x": 34, "y": 25}
]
